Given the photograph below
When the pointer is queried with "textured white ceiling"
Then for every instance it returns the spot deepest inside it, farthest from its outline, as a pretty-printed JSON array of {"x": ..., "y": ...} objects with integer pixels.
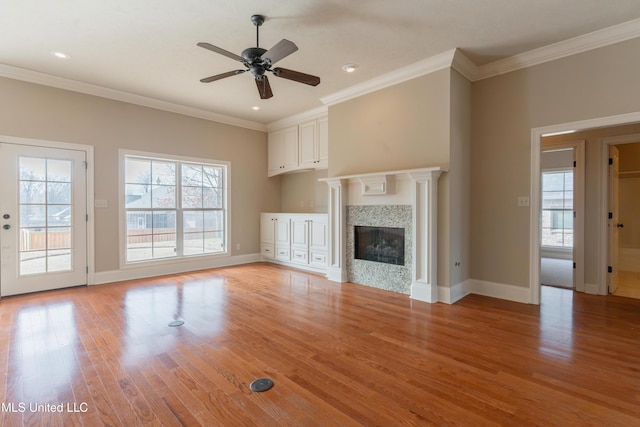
[{"x": 148, "y": 47}]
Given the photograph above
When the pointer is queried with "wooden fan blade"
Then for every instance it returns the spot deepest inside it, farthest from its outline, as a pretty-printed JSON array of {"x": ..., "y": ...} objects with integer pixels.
[
  {"x": 221, "y": 51},
  {"x": 221, "y": 76},
  {"x": 282, "y": 49},
  {"x": 264, "y": 88},
  {"x": 297, "y": 76}
]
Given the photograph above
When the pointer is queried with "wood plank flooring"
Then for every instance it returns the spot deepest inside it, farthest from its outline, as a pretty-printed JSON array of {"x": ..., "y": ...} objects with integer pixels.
[{"x": 339, "y": 355}]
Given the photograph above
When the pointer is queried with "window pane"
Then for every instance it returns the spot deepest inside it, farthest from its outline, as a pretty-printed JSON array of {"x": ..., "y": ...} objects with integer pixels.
[
  {"x": 33, "y": 239},
  {"x": 214, "y": 241},
  {"x": 33, "y": 216},
  {"x": 164, "y": 245},
  {"x": 164, "y": 222},
  {"x": 553, "y": 181},
  {"x": 137, "y": 196},
  {"x": 33, "y": 262},
  {"x": 163, "y": 173},
  {"x": 212, "y": 198},
  {"x": 32, "y": 169},
  {"x": 59, "y": 215},
  {"x": 193, "y": 221},
  {"x": 59, "y": 238},
  {"x": 32, "y": 192},
  {"x": 212, "y": 176},
  {"x": 59, "y": 192},
  {"x": 137, "y": 171},
  {"x": 552, "y": 199},
  {"x": 192, "y": 175},
  {"x": 58, "y": 170},
  {"x": 213, "y": 221},
  {"x": 139, "y": 247},
  {"x": 163, "y": 197},
  {"x": 193, "y": 243},
  {"x": 59, "y": 260},
  {"x": 191, "y": 197}
]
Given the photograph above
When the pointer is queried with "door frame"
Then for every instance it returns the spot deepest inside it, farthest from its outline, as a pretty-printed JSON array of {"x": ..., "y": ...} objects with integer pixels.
[
  {"x": 535, "y": 195},
  {"x": 605, "y": 144},
  {"x": 88, "y": 150},
  {"x": 578, "y": 147}
]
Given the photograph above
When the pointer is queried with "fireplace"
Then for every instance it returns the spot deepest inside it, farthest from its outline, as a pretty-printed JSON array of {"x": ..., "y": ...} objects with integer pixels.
[{"x": 379, "y": 244}]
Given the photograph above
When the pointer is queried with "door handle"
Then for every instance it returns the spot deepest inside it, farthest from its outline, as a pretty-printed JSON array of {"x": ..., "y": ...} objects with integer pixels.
[
  {"x": 620, "y": 225},
  {"x": 6, "y": 226}
]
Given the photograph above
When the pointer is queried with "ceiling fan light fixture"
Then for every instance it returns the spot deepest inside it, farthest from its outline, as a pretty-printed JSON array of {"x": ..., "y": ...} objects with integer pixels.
[{"x": 350, "y": 68}]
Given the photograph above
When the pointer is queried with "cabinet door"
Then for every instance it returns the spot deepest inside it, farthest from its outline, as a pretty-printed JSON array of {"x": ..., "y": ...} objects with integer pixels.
[
  {"x": 283, "y": 236},
  {"x": 318, "y": 235},
  {"x": 307, "y": 144},
  {"x": 300, "y": 232},
  {"x": 267, "y": 229},
  {"x": 291, "y": 148},
  {"x": 276, "y": 153},
  {"x": 323, "y": 143}
]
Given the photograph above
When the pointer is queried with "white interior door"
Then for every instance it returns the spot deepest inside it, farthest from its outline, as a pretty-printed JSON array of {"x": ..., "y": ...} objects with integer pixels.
[
  {"x": 43, "y": 215},
  {"x": 614, "y": 220}
]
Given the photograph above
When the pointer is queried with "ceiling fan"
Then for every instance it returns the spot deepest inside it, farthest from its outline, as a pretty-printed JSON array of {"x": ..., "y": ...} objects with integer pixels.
[{"x": 259, "y": 61}]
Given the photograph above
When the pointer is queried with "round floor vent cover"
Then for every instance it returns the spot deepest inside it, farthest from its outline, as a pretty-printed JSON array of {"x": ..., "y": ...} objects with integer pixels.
[{"x": 261, "y": 384}]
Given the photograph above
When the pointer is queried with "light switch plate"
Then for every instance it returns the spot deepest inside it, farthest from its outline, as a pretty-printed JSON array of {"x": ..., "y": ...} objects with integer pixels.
[
  {"x": 523, "y": 201},
  {"x": 100, "y": 203}
]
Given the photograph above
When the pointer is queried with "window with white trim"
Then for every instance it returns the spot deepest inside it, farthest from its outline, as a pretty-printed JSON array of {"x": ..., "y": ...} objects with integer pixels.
[
  {"x": 173, "y": 208},
  {"x": 557, "y": 209}
]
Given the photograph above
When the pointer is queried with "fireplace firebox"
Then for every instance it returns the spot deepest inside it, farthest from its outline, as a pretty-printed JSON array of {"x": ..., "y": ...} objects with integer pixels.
[{"x": 379, "y": 244}]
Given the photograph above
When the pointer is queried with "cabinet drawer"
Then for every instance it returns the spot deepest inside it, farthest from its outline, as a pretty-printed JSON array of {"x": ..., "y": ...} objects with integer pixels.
[
  {"x": 267, "y": 250},
  {"x": 283, "y": 253},
  {"x": 300, "y": 255},
  {"x": 318, "y": 258}
]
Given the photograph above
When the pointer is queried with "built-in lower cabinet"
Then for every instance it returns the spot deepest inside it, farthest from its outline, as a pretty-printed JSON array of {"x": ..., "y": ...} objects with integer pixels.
[{"x": 300, "y": 240}]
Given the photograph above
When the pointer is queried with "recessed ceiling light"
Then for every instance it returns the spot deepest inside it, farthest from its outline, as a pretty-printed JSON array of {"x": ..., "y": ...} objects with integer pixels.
[
  {"x": 350, "y": 68},
  {"x": 60, "y": 55},
  {"x": 255, "y": 107}
]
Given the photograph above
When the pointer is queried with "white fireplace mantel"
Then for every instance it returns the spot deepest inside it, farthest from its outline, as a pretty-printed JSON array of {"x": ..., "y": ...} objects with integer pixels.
[{"x": 419, "y": 189}]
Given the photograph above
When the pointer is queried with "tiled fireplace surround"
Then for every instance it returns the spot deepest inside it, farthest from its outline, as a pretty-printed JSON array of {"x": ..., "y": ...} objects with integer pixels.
[{"x": 405, "y": 199}]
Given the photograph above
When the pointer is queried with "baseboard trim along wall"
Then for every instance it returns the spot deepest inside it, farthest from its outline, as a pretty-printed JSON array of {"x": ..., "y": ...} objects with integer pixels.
[
  {"x": 481, "y": 287},
  {"x": 144, "y": 272}
]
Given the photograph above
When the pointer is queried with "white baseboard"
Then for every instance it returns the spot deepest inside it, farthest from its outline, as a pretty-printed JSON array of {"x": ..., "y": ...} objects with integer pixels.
[
  {"x": 422, "y": 291},
  {"x": 454, "y": 293},
  {"x": 460, "y": 290},
  {"x": 142, "y": 272},
  {"x": 592, "y": 288}
]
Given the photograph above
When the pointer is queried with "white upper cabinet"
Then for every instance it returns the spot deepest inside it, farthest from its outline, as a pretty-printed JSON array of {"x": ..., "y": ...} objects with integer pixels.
[
  {"x": 303, "y": 146},
  {"x": 313, "y": 140},
  {"x": 283, "y": 151}
]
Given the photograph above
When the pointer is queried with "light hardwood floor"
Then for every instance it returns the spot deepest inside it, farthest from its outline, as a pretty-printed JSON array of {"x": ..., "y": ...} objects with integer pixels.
[{"x": 339, "y": 354}]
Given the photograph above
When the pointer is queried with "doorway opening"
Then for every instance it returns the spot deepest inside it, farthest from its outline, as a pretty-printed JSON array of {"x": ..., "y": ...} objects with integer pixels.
[
  {"x": 623, "y": 214},
  {"x": 561, "y": 196}
]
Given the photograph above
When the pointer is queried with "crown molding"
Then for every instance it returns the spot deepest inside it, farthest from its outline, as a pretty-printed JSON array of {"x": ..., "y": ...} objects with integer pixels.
[
  {"x": 313, "y": 114},
  {"x": 583, "y": 43},
  {"x": 30, "y": 76},
  {"x": 420, "y": 68}
]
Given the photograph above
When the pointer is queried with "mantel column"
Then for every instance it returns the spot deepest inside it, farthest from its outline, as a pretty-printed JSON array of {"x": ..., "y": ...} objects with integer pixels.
[
  {"x": 424, "y": 286},
  {"x": 337, "y": 269}
]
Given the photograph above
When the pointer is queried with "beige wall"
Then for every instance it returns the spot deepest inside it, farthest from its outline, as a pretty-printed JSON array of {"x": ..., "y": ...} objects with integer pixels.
[
  {"x": 598, "y": 83},
  {"x": 33, "y": 111},
  {"x": 401, "y": 127},
  {"x": 302, "y": 192}
]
